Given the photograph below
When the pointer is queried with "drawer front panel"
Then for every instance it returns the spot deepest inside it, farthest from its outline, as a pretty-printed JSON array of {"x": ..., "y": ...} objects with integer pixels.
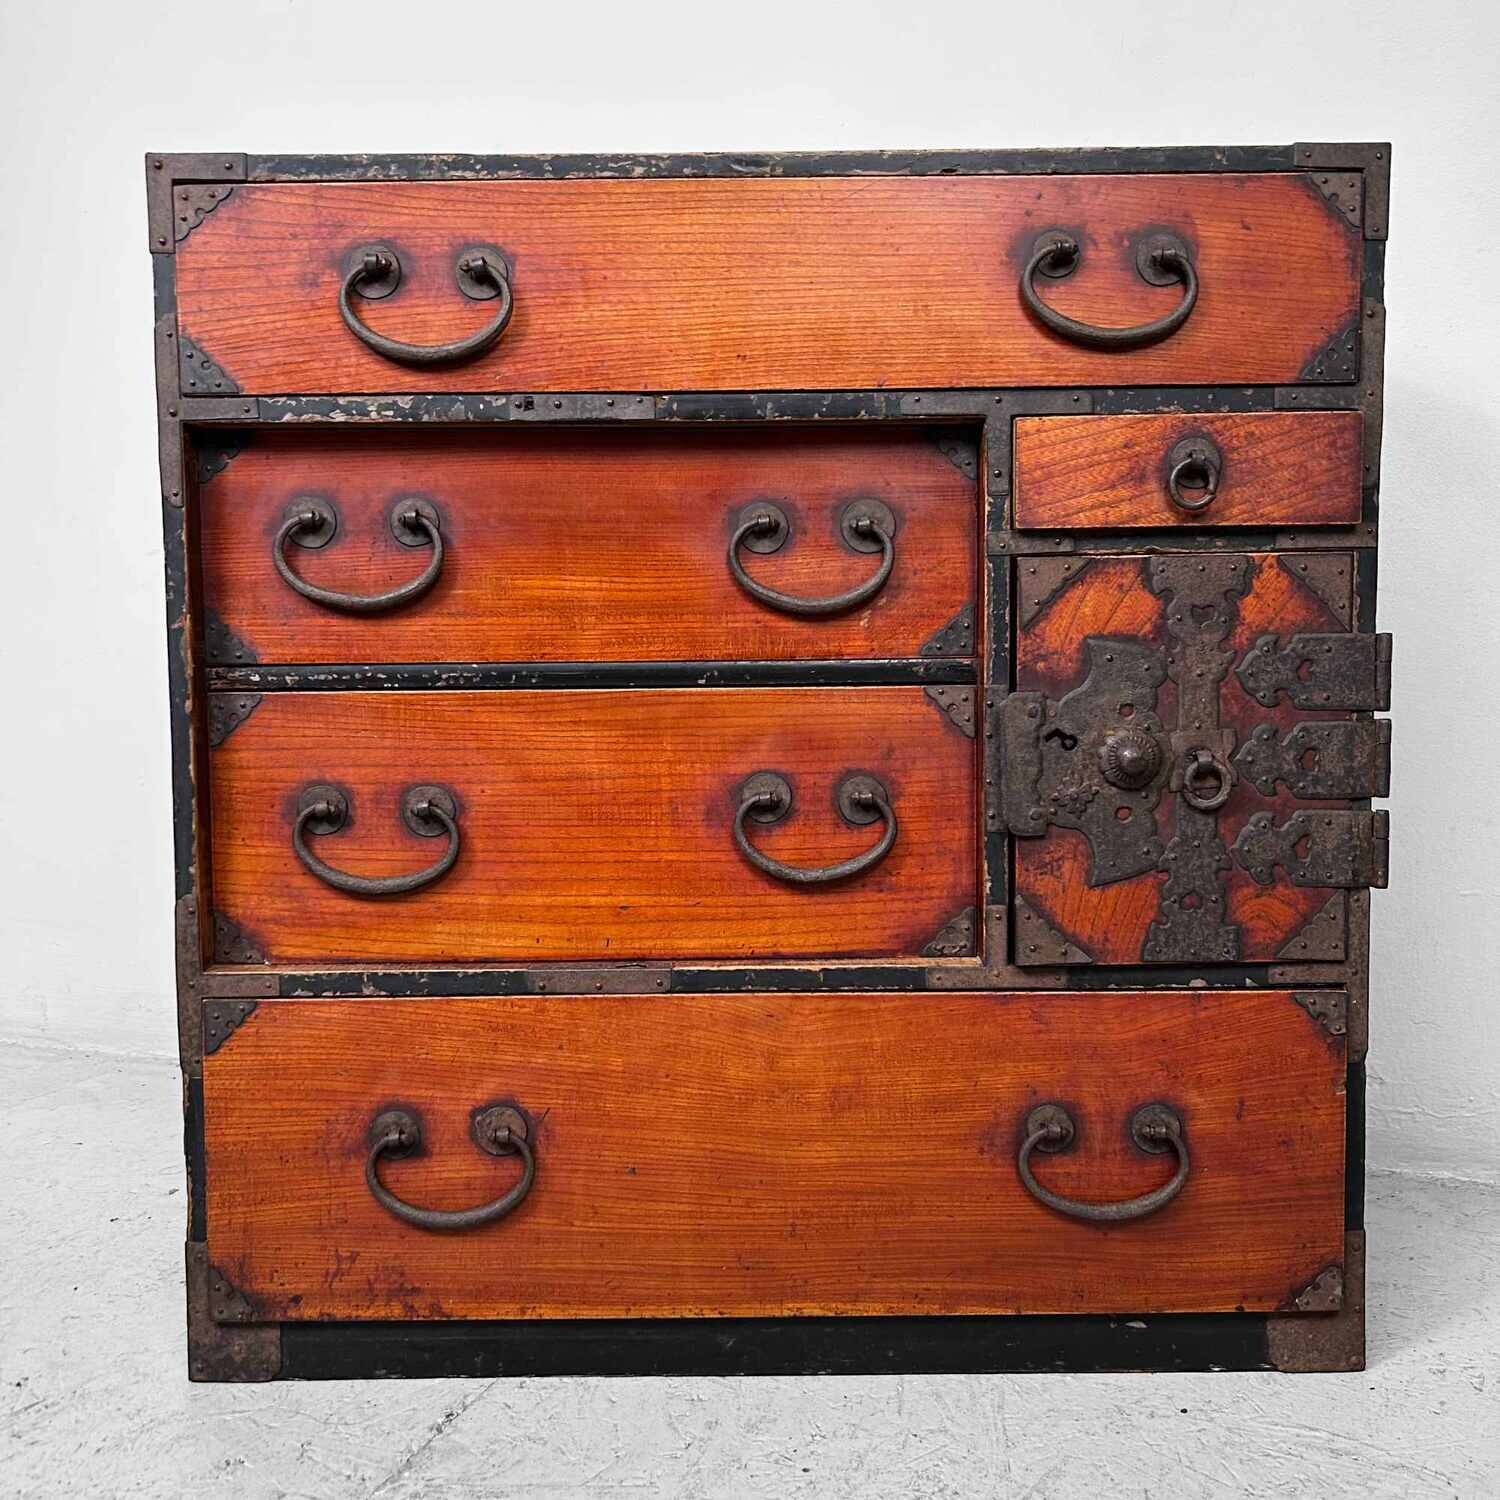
[
  {"x": 595, "y": 825},
  {"x": 1241, "y": 469},
  {"x": 590, "y": 546},
  {"x": 758, "y": 1155},
  {"x": 832, "y": 283},
  {"x": 1182, "y": 758}
]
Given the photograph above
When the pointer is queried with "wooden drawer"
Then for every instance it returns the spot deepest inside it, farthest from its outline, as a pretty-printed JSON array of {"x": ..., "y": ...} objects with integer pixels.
[
  {"x": 596, "y": 825},
  {"x": 752, "y": 1155},
  {"x": 767, "y": 283},
  {"x": 1229, "y": 469},
  {"x": 592, "y": 545}
]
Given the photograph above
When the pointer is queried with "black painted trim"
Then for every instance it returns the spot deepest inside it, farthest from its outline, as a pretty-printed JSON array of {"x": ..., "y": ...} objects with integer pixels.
[
  {"x": 774, "y": 1346},
  {"x": 470, "y": 676}
]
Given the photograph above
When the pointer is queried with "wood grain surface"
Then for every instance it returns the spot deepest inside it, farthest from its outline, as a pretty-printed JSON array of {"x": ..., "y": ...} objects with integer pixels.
[
  {"x": 595, "y": 825},
  {"x": 753, "y": 1155},
  {"x": 589, "y": 545},
  {"x": 1279, "y": 469},
  {"x": 811, "y": 283},
  {"x": 1111, "y": 597}
]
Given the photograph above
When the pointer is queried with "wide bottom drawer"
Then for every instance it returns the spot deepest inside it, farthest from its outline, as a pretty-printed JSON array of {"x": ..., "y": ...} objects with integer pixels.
[{"x": 755, "y": 1155}]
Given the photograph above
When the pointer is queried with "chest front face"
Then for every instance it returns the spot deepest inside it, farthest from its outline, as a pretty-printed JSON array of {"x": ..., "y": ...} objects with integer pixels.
[{"x": 775, "y": 757}]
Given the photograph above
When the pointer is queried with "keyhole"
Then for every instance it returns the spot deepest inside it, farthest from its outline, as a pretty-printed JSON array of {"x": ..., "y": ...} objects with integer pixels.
[{"x": 1061, "y": 737}]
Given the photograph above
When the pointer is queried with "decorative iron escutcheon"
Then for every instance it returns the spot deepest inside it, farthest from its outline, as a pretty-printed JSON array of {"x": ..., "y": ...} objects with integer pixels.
[
  {"x": 497, "y": 1129},
  {"x": 1099, "y": 759}
]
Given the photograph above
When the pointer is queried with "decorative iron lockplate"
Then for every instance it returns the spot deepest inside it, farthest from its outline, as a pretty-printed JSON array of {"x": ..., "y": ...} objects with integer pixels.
[{"x": 1180, "y": 753}]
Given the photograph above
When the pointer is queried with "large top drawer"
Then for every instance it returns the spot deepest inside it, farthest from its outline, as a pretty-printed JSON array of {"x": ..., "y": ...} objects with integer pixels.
[{"x": 795, "y": 283}]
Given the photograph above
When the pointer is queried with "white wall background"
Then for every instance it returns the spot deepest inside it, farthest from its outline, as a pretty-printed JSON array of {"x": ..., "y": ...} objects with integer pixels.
[{"x": 85, "y": 857}]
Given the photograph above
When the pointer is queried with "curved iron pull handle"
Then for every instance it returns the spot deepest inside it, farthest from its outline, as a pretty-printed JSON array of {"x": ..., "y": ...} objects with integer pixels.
[
  {"x": 1160, "y": 260},
  {"x": 1199, "y": 457},
  {"x": 767, "y": 798},
  {"x": 376, "y": 272},
  {"x": 1153, "y": 1127},
  {"x": 499, "y": 1129},
  {"x": 866, "y": 525},
  {"x": 426, "y": 810},
  {"x": 311, "y": 522}
]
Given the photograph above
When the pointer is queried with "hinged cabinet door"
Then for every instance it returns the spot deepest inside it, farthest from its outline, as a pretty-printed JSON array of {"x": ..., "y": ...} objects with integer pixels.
[{"x": 1187, "y": 755}]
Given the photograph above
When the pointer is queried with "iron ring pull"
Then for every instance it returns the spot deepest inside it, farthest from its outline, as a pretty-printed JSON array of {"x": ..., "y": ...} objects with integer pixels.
[
  {"x": 864, "y": 525},
  {"x": 1195, "y": 456},
  {"x": 1153, "y": 1127},
  {"x": 1159, "y": 260},
  {"x": 315, "y": 517},
  {"x": 426, "y": 810},
  {"x": 859, "y": 798},
  {"x": 481, "y": 274},
  {"x": 499, "y": 1130}
]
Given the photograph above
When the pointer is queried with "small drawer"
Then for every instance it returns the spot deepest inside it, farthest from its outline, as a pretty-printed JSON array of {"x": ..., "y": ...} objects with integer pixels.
[
  {"x": 590, "y": 546},
  {"x": 1112, "y": 473},
  {"x": 761, "y": 1156},
  {"x": 455, "y": 827},
  {"x": 769, "y": 283}
]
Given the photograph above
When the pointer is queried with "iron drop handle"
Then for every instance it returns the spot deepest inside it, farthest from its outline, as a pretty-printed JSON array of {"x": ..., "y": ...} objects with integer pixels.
[
  {"x": 767, "y": 798},
  {"x": 1153, "y": 1127},
  {"x": 865, "y": 525},
  {"x": 1160, "y": 260},
  {"x": 311, "y": 522},
  {"x": 498, "y": 1129},
  {"x": 1197, "y": 459},
  {"x": 376, "y": 272},
  {"x": 427, "y": 810}
]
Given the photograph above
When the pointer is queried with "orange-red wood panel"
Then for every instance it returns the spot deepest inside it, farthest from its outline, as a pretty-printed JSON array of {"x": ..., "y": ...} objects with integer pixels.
[
  {"x": 593, "y": 825},
  {"x": 589, "y": 545},
  {"x": 752, "y": 1155},
  {"x": 810, "y": 283},
  {"x": 1111, "y": 597},
  {"x": 1278, "y": 469}
]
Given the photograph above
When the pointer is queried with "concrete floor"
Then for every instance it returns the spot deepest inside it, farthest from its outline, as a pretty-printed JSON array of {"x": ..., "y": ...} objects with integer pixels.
[{"x": 94, "y": 1398}]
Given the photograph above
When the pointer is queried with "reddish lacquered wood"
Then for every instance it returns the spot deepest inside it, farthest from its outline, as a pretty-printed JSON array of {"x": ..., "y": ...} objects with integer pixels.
[
  {"x": 784, "y": 283},
  {"x": 588, "y": 545},
  {"x": 1279, "y": 469},
  {"x": 594, "y": 824},
  {"x": 1111, "y": 597},
  {"x": 753, "y": 1155}
]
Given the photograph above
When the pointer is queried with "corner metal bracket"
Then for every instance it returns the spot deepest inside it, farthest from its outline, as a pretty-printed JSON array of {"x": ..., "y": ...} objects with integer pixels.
[
  {"x": 955, "y": 938},
  {"x": 1041, "y": 579},
  {"x": 165, "y": 171},
  {"x": 1308, "y": 1342},
  {"x": 1328, "y": 576},
  {"x": 232, "y": 944},
  {"x": 221, "y": 1019},
  {"x": 1039, "y": 942},
  {"x": 223, "y": 1349},
  {"x": 1344, "y": 194},
  {"x": 1323, "y": 1294},
  {"x": 1371, "y": 159},
  {"x": 992, "y": 970},
  {"x": 960, "y": 451},
  {"x": 956, "y": 638},
  {"x": 213, "y": 450},
  {"x": 200, "y": 374},
  {"x": 957, "y": 703},
  {"x": 226, "y": 712},
  {"x": 1329, "y": 1008},
  {"x": 191, "y": 205},
  {"x": 222, "y": 645},
  {"x": 1321, "y": 938},
  {"x": 1337, "y": 362}
]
